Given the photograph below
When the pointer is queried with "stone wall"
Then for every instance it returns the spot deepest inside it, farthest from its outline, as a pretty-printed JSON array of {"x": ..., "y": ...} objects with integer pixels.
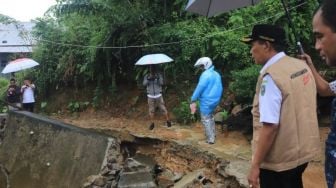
[{"x": 39, "y": 152}]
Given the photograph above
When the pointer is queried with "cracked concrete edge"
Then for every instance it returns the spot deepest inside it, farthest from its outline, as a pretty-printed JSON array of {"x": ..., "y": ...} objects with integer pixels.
[
  {"x": 109, "y": 143},
  {"x": 238, "y": 169}
]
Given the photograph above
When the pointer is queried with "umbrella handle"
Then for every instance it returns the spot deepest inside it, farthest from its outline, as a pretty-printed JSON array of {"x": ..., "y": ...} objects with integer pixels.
[
  {"x": 301, "y": 51},
  {"x": 299, "y": 45}
]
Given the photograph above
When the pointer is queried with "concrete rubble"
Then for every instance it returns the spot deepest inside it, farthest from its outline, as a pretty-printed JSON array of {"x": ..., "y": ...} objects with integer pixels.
[
  {"x": 140, "y": 162},
  {"x": 142, "y": 171}
]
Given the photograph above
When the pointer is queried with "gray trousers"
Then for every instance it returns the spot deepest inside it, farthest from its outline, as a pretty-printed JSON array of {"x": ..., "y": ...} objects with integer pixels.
[{"x": 208, "y": 122}]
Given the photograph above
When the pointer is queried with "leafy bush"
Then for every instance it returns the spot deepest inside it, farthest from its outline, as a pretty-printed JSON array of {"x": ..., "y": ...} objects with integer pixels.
[
  {"x": 183, "y": 115},
  {"x": 3, "y": 87},
  {"x": 183, "y": 36},
  {"x": 43, "y": 106},
  {"x": 225, "y": 114},
  {"x": 98, "y": 95},
  {"x": 243, "y": 84},
  {"x": 77, "y": 106}
]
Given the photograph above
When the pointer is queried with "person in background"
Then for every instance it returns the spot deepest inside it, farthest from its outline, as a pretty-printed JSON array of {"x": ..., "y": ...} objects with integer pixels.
[
  {"x": 324, "y": 29},
  {"x": 13, "y": 95},
  {"x": 28, "y": 98},
  {"x": 208, "y": 92},
  {"x": 285, "y": 127},
  {"x": 153, "y": 82}
]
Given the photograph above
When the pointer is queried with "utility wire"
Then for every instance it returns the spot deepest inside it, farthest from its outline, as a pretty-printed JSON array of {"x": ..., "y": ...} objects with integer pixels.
[{"x": 169, "y": 43}]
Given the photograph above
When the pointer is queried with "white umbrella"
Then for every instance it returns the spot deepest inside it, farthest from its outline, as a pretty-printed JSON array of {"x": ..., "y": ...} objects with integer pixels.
[
  {"x": 212, "y": 7},
  {"x": 19, "y": 64},
  {"x": 153, "y": 59}
]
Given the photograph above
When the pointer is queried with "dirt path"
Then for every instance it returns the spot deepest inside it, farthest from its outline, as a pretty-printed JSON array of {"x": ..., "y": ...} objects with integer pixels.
[{"x": 233, "y": 143}]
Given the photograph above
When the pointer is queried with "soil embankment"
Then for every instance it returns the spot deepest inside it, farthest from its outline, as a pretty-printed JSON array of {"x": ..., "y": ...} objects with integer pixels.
[{"x": 232, "y": 146}]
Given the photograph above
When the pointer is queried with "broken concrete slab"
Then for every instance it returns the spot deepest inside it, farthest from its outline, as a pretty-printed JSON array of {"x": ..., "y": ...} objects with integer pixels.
[
  {"x": 236, "y": 169},
  {"x": 190, "y": 178},
  {"x": 136, "y": 180}
]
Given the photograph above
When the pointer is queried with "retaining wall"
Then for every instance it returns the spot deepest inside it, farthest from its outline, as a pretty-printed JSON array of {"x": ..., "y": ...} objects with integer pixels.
[{"x": 39, "y": 152}]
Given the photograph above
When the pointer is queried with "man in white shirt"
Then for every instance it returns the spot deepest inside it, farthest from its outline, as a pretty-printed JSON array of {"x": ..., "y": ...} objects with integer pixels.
[
  {"x": 285, "y": 128},
  {"x": 28, "y": 98}
]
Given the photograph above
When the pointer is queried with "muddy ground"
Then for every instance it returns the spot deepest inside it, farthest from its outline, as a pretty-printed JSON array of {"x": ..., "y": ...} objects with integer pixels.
[{"x": 232, "y": 143}]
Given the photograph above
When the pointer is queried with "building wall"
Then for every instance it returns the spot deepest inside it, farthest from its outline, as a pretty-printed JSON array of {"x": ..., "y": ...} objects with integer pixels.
[
  {"x": 3, "y": 61},
  {"x": 15, "y": 39}
]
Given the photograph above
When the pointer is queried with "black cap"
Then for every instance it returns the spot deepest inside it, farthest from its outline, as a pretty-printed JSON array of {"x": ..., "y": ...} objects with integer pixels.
[{"x": 266, "y": 32}]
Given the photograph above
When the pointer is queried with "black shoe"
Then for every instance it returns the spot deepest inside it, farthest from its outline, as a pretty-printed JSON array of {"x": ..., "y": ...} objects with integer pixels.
[
  {"x": 151, "y": 127},
  {"x": 169, "y": 124}
]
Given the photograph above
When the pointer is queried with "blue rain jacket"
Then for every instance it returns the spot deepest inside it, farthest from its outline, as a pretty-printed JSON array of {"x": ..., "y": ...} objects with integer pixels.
[{"x": 208, "y": 91}]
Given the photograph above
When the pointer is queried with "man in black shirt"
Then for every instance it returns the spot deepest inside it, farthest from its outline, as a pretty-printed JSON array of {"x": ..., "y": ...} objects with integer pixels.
[{"x": 13, "y": 95}]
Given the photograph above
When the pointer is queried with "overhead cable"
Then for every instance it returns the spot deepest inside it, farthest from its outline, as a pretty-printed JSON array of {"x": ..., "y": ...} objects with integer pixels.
[{"x": 168, "y": 43}]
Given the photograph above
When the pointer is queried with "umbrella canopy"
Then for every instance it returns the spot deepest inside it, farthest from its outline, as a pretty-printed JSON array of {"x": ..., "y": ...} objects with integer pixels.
[
  {"x": 212, "y": 7},
  {"x": 19, "y": 64},
  {"x": 153, "y": 59}
]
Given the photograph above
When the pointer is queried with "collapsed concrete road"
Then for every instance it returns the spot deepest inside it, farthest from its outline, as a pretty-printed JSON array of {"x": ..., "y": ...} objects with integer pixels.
[{"x": 37, "y": 152}]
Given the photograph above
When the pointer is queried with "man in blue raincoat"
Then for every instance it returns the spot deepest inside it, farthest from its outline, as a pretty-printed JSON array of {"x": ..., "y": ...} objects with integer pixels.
[{"x": 208, "y": 92}]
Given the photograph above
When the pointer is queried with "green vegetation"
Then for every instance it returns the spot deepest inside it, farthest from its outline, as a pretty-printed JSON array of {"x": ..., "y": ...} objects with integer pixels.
[
  {"x": 97, "y": 42},
  {"x": 243, "y": 83},
  {"x": 43, "y": 106},
  {"x": 3, "y": 88},
  {"x": 183, "y": 115},
  {"x": 225, "y": 114},
  {"x": 6, "y": 19},
  {"x": 76, "y": 106}
]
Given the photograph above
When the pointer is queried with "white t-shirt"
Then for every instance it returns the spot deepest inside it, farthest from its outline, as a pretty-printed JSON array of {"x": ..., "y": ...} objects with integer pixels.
[
  {"x": 28, "y": 94},
  {"x": 270, "y": 97}
]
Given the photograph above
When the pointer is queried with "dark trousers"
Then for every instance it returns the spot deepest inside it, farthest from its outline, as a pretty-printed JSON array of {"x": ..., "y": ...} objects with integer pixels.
[
  {"x": 330, "y": 165},
  {"x": 286, "y": 179},
  {"x": 28, "y": 106}
]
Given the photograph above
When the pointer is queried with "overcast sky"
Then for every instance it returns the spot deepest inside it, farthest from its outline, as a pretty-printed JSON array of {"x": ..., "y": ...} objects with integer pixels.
[{"x": 25, "y": 10}]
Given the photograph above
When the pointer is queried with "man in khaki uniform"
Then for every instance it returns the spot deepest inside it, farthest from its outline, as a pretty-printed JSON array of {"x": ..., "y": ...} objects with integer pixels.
[{"x": 285, "y": 128}]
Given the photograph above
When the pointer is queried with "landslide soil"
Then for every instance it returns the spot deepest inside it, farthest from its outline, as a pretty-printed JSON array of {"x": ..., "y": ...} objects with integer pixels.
[{"x": 129, "y": 114}]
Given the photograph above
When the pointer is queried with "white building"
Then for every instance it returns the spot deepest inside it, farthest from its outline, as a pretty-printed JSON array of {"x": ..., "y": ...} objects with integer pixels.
[{"x": 15, "y": 39}]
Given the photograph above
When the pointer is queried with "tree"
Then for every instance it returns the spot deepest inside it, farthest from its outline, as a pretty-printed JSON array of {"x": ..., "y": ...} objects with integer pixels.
[{"x": 98, "y": 41}]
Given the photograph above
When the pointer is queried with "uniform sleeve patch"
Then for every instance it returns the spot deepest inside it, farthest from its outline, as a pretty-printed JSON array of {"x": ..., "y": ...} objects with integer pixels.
[
  {"x": 299, "y": 73},
  {"x": 262, "y": 89}
]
